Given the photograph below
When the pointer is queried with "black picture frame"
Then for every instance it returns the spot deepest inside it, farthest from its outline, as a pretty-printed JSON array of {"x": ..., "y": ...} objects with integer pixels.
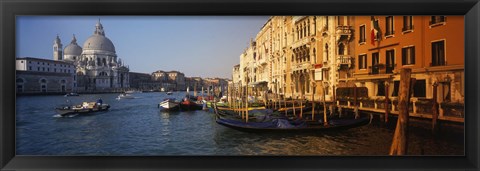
[{"x": 9, "y": 9}]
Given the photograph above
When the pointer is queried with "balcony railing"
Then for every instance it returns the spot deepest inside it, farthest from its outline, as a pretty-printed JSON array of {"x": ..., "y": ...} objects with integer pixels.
[
  {"x": 380, "y": 69},
  {"x": 344, "y": 30},
  {"x": 345, "y": 60}
]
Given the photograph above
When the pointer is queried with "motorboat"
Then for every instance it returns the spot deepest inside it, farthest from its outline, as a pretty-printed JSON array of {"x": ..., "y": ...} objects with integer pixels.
[
  {"x": 169, "y": 104},
  {"x": 71, "y": 94},
  {"x": 84, "y": 108},
  {"x": 132, "y": 92},
  {"x": 169, "y": 93},
  {"x": 125, "y": 96}
]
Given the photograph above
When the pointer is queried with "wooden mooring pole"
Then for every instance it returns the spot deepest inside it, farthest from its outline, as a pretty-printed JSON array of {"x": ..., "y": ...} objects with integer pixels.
[
  {"x": 400, "y": 137},
  {"x": 434, "y": 109},
  {"x": 387, "y": 110}
]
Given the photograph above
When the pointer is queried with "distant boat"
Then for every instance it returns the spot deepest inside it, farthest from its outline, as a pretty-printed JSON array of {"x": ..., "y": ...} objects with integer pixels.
[
  {"x": 169, "y": 93},
  {"x": 71, "y": 94},
  {"x": 86, "y": 107},
  {"x": 125, "y": 96},
  {"x": 132, "y": 91},
  {"x": 162, "y": 89}
]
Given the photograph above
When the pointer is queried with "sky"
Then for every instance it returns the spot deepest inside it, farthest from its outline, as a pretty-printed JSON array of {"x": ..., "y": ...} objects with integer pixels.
[{"x": 198, "y": 46}]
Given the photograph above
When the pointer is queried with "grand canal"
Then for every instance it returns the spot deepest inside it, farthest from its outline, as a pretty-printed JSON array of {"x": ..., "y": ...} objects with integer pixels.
[{"x": 137, "y": 127}]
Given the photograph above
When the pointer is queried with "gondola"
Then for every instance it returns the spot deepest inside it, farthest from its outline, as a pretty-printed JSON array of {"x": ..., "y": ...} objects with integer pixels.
[
  {"x": 285, "y": 125},
  {"x": 278, "y": 123}
]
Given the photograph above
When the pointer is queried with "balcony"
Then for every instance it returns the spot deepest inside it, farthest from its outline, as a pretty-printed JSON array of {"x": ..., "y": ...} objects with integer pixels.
[
  {"x": 345, "y": 60},
  {"x": 380, "y": 69},
  {"x": 344, "y": 32}
]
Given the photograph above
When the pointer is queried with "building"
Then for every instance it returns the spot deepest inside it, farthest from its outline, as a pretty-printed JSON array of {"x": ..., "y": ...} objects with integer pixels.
[
  {"x": 139, "y": 80},
  {"x": 36, "y": 75},
  {"x": 432, "y": 46},
  {"x": 98, "y": 67},
  {"x": 175, "y": 79},
  {"x": 236, "y": 74}
]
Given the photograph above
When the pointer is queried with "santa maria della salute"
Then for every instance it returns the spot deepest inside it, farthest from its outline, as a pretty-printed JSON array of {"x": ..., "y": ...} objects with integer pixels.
[
  {"x": 95, "y": 67},
  {"x": 98, "y": 68}
]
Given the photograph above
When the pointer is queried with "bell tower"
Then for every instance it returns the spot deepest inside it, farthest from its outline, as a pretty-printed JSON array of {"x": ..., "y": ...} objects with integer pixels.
[{"x": 57, "y": 49}]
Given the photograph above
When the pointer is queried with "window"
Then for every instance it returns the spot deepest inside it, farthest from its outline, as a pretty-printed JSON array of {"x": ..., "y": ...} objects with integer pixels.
[
  {"x": 341, "y": 49},
  {"x": 362, "y": 61},
  {"x": 375, "y": 62},
  {"x": 38, "y": 68},
  {"x": 408, "y": 55},
  {"x": 20, "y": 88},
  {"x": 55, "y": 70},
  {"x": 438, "y": 53},
  {"x": 396, "y": 87},
  {"x": 389, "y": 26},
  {"x": 43, "y": 81},
  {"x": 362, "y": 38},
  {"x": 30, "y": 68},
  {"x": 419, "y": 89},
  {"x": 390, "y": 61},
  {"x": 381, "y": 88},
  {"x": 437, "y": 20},
  {"x": 407, "y": 23}
]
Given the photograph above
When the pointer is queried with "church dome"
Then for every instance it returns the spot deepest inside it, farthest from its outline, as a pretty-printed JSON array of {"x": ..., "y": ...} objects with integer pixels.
[
  {"x": 73, "y": 48},
  {"x": 98, "y": 41}
]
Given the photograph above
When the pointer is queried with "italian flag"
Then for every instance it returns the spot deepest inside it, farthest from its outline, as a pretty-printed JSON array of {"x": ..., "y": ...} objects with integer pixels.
[{"x": 375, "y": 30}]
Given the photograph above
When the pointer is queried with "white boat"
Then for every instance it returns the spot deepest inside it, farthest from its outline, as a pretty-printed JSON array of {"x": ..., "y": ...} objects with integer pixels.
[
  {"x": 132, "y": 91},
  {"x": 125, "y": 96},
  {"x": 169, "y": 104},
  {"x": 169, "y": 93}
]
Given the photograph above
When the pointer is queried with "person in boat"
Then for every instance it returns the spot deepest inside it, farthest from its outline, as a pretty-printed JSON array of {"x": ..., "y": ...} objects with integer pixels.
[
  {"x": 85, "y": 105},
  {"x": 99, "y": 102}
]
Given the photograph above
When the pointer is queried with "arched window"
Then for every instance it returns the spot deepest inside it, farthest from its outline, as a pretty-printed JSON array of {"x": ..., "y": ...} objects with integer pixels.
[
  {"x": 63, "y": 81},
  {"x": 43, "y": 80},
  {"x": 326, "y": 52}
]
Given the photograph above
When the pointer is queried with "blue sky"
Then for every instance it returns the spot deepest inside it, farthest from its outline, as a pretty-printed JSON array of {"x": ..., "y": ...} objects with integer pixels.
[{"x": 205, "y": 46}]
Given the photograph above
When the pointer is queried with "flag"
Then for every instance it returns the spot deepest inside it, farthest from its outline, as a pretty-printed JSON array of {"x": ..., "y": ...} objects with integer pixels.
[{"x": 375, "y": 29}]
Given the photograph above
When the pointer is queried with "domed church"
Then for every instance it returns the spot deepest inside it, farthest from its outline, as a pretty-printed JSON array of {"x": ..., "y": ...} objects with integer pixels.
[{"x": 97, "y": 66}]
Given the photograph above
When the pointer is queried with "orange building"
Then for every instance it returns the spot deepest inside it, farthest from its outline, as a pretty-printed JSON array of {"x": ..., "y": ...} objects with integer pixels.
[{"x": 432, "y": 46}]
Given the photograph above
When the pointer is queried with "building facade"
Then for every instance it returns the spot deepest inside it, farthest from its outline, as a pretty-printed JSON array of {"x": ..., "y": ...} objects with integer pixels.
[
  {"x": 319, "y": 54},
  {"x": 36, "y": 75},
  {"x": 432, "y": 46}
]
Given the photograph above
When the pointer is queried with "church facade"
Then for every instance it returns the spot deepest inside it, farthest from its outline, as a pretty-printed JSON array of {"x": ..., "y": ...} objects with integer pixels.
[{"x": 98, "y": 68}]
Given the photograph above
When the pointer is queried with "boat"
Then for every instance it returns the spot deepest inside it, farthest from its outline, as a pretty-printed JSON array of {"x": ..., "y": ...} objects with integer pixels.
[
  {"x": 169, "y": 93},
  {"x": 287, "y": 125},
  {"x": 71, "y": 94},
  {"x": 132, "y": 92},
  {"x": 84, "y": 108},
  {"x": 125, "y": 96},
  {"x": 187, "y": 104},
  {"x": 169, "y": 104},
  {"x": 269, "y": 121}
]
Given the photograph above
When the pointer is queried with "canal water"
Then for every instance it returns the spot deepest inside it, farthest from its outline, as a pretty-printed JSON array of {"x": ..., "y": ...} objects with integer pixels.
[{"x": 134, "y": 127}]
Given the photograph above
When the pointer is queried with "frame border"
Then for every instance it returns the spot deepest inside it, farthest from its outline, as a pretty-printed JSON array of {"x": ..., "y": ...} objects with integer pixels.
[{"x": 9, "y": 9}]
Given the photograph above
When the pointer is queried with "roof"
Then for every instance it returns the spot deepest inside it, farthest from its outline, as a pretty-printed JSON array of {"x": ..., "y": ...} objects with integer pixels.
[{"x": 44, "y": 60}]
